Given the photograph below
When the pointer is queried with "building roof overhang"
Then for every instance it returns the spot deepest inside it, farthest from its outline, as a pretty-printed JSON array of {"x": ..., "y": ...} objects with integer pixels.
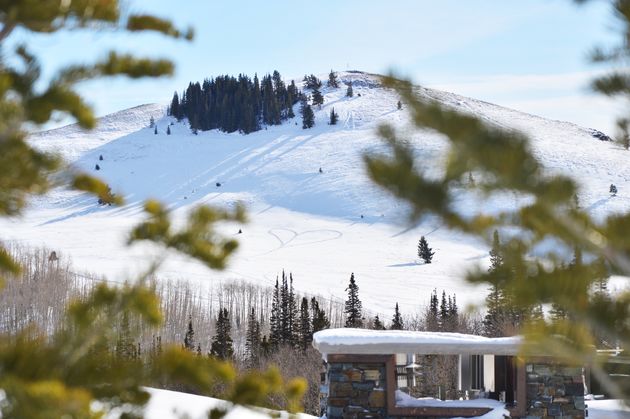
[{"x": 384, "y": 342}]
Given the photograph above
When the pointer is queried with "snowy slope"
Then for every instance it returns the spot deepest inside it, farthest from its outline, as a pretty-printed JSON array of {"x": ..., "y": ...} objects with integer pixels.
[
  {"x": 301, "y": 220},
  {"x": 75, "y": 140},
  {"x": 166, "y": 404}
]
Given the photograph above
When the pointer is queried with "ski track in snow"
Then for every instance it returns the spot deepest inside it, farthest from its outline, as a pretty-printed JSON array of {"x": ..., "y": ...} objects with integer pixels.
[
  {"x": 319, "y": 226},
  {"x": 295, "y": 236}
]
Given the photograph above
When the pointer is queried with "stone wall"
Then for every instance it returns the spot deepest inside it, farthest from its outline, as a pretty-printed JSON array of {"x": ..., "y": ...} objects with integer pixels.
[
  {"x": 357, "y": 388},
  {"x": 554, "y": 391},
  {"x": 356, "y": 391}
]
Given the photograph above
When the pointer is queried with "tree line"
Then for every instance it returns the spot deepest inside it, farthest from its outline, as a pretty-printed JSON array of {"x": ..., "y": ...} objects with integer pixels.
[
  {"x": 246, "y": 104},
  {"x": 232, "y": 104}
]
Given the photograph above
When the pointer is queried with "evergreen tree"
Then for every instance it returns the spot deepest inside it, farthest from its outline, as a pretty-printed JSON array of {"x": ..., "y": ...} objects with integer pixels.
[
  {"x": 453, "y": 310},
  {"x": 334, "y": 117},
  {"x": 496, "y": 313},
  {"x": 318, "y": 98},
  {"x": 265, "y": 347},
  {"x": 125, "y": 348},
  {"x": 305, "y": 331},
  {"x": 252, "y": 340},
  {"x": 315, "y": 82},
  {"x": 221, "y": 345},
  {"x": 278, "y": 84},
  {"x": 293, "y": 309},
  {"x": 151, "y": 122},
  {"x": 443, "y": 313},
  {"x": 271, "y": 111},
  {"x": 290, "y": 113},
  {"x": 288, "y": 312},
  {"x": 256, "y": 97},
  {"x": 183, "y": 105},
  {"x": 424, "y": 251},
  {"x": 451, "y": 322},
  {"x": 377, "y": 324},
  {"x": 293, "y": 96},
  {"x": 349, "y": 91},
  {"x": 189, "y": 337},
  {"x": 353, "y": 309},
  {"x": 275, "y": 333},
  {"x": 397, "y": 321},
  {"x": 308, "y": 117},
  {"x": 433, "y": 306},
  {"x": 282, "y": 95},
  {"x": 432, "y": 323},
  {"x": 496, "y": 301},
  {"x": 332, "y": 80},
  {"x": 174, "y": 110},
  {"x": 293, "y": 91},
  {"x": 312, "y": 82},
  {"x": 496, "y": 253},
  {"x": 285, "y": 312},
  {"x": 320, "y": 321}
]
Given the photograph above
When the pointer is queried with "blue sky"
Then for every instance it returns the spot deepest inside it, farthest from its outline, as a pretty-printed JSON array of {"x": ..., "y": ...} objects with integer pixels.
[{"x": 528, "y": 55}]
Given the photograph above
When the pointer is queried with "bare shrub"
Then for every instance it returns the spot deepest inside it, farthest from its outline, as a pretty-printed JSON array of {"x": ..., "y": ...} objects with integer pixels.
[{"x": 297, "y": 363}]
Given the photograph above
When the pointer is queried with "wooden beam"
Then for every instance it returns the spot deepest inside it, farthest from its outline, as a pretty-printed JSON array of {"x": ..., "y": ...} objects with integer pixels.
[
  {"x": 363, "y": 359},
  {"x": 521, "y": 389}
]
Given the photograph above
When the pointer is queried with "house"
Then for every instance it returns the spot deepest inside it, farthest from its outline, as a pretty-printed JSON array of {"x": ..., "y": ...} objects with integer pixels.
[{"x": 369, "y": 374}]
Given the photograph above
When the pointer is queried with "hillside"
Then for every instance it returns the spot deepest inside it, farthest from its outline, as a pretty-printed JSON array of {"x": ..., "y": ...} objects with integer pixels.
[{"x": 320, "y": 226}]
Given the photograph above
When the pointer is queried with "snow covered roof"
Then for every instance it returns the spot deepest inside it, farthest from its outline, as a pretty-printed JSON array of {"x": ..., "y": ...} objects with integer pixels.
[{"x": 385, "y": 342}]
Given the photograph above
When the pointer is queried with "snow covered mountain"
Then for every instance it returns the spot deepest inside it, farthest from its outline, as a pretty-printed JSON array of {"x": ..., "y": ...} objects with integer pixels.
[{"x": 320, "y": 226}]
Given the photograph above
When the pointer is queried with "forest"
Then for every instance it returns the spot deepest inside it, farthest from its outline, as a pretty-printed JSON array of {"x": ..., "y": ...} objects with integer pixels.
[{"x": 233, "y": 104}]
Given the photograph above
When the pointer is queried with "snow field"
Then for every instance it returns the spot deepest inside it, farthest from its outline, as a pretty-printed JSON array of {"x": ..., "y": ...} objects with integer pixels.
[{"x": 319, "y": 226}]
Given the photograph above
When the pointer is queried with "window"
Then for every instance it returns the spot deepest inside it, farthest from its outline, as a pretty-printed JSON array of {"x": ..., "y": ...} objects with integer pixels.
[{"x": 476, "y": 372}]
